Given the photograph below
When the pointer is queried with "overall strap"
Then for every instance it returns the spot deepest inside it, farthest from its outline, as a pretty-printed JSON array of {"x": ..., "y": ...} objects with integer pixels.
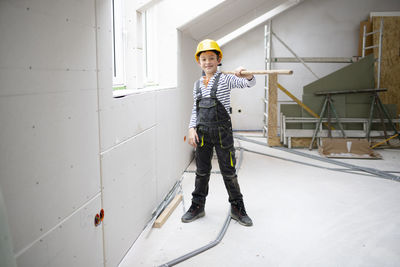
[
  {"x": 198, "y": 90},
  {"x": 213, "y": 92}
]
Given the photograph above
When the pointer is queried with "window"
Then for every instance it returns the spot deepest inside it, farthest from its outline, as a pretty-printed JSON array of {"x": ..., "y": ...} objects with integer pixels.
[
  {"x": 145, "y": 41},
  {"x": 119, "y": 44},
  {"x": 160, "y": 43},
  {"x": 151, "y": 47},
  {"x": 144, "y": 45}
]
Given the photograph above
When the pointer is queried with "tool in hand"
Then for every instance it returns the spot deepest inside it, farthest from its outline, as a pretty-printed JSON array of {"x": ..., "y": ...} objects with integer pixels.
[{"x": 260, "y": 72}]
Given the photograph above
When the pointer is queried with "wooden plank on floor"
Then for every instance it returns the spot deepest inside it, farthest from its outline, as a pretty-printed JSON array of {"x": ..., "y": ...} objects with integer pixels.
[
  {"x": 272, "y": 110},
  {"x": 167, "y": 212}
]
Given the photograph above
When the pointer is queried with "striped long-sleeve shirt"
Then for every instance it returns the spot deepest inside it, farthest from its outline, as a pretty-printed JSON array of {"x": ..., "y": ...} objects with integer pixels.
[{"x": 225, "y": 84}]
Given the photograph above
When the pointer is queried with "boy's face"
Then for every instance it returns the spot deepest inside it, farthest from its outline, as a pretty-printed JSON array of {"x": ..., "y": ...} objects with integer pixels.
[{"x": 208, "y": 62}]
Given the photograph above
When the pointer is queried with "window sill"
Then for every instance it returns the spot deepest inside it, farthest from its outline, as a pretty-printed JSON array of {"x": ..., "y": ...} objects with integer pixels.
[{"x": 127, "y": 92}]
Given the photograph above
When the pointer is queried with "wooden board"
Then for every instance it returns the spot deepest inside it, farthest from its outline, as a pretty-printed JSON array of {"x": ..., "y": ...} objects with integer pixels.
[
  {"x": 272, "y": 108},
  {"x": 167, "y": 212},
  {"x": 260, "y": 72},
  {"x": 390, "y": 66},
  {"x": 301, "y": 142}
]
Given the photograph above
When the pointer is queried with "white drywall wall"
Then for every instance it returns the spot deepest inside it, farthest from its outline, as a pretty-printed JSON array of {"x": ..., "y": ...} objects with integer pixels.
[
  {"x": 68, "y": 147},
  {"x": 49, "y": 168},
  {"x": 188, "y": 72},
  {"x": 74, "y": 242},
  {"x": 6, "y": 248},
  {"x": 247, "y": 104},
  {"x": 314, "y": 28},
  {"x": 143, "y": 152},
  {"x": 129, "y": 192}
]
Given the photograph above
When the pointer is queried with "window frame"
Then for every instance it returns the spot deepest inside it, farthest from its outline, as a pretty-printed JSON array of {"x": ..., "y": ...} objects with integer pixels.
[{"x": 119, "y": 44}]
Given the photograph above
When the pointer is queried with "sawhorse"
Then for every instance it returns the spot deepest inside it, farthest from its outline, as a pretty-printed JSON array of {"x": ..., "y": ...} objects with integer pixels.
[
  {"x": 328, "y": 106},
  {"x": 376, "y": 101}
]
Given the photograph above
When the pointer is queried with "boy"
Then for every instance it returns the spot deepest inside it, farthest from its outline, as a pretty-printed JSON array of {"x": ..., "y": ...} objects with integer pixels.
[{"x": 210, "y": 126}]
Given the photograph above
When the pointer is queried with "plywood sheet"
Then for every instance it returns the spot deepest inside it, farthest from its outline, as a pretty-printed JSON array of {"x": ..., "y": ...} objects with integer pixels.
[
  {"x": 390, "y": 66},
  {"x": 301, "y": 142},
  {"x": 272, "y": 109}
]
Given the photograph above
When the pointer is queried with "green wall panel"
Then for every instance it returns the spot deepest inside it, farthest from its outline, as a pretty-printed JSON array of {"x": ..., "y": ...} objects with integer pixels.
[
  {"x": 359, "y": 75},
  {"x": 315, "y": 103},
  {"x": 292, "y": 110},
  {"x": 358, "y": 99}
]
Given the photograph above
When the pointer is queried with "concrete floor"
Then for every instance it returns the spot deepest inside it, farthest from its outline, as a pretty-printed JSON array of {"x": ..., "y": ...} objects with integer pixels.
[{"x": 303, "y": 216}]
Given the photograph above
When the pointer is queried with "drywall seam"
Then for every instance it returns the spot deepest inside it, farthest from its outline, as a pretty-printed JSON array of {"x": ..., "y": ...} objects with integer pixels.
[
  {"x": 99, "y": 124},
  {"x": 127, "y": 140},
  {"x": 22, "y": 251}
]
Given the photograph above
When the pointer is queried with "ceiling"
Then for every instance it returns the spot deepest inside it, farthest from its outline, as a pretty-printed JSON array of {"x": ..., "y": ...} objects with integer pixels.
[{"x": 227, "y": 17}]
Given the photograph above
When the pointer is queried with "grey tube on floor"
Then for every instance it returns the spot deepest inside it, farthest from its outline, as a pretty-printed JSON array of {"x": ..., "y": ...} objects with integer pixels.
[
  {"x": 203, "y": 248},
  {"x": 376, "y": 172}
]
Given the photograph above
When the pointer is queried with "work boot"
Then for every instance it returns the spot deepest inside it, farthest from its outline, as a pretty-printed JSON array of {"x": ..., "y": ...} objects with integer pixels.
[
  {"x": 194, "y": 212},
  {"x": 238, "y": 213}
]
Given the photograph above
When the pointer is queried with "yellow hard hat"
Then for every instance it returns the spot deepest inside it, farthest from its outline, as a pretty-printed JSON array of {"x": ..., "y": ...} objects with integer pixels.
[{"x": 207, "y": 45}]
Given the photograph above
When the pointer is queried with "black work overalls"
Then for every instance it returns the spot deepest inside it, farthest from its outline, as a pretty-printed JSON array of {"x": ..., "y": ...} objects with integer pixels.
[{"x": 214, "y": 129}]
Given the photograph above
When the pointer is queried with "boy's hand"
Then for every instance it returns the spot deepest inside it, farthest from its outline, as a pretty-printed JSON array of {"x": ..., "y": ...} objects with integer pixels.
[
  {"x": 238, "y": 72},
  {"x": 193, "y": 137}
]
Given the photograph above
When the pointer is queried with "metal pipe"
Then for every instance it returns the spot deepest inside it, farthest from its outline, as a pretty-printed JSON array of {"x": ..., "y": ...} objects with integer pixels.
[
  {"x": 203, "y": 248},
  {"x": 294, "y": 54},
  {"x": 354, "y": 91},
  {"x": 370, "y": 47},
  {"x": 378, "y": 83},
  {"x": 363, "y": 41},
  {"x": 246, "y": 130},
  {"x": 267, "y": 43},
  {"x": 376, "y": 172},
  {"x": 268, "y": 66},
  {"x": 314, "y": 59},
  {"x": 370, "y": 33},
  {"x": 301, "y": 162}
]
